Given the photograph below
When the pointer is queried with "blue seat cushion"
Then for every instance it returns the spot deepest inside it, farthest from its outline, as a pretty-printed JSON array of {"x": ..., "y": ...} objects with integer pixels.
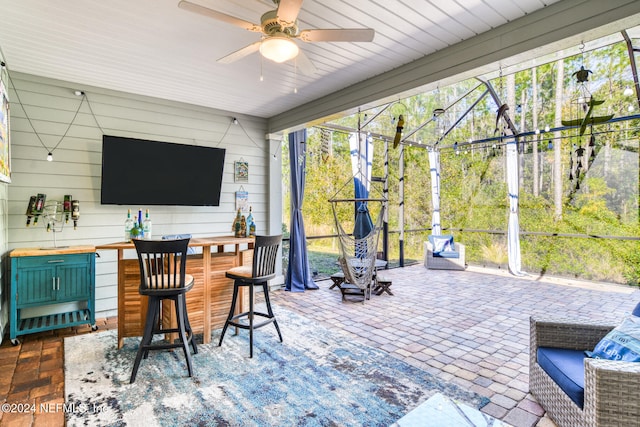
[
  {"x": 566, "y": 368},
  {"x": 447, "y": 254},
  {"x": 443, "y": 246}
]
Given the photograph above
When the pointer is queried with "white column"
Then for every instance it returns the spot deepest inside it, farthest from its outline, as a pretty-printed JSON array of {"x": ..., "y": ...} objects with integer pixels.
[{"x": 274, "y": 192}]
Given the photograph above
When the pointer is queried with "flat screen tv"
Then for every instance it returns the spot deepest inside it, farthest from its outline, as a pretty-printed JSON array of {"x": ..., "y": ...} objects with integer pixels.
[{"x": 141, "y": 172}]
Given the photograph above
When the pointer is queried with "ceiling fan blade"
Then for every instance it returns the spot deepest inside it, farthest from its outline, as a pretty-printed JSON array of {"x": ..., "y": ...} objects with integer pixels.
[
  {"x": 239, "y": 54},
  {"x": 338, "y": 35},
  {"x": 288, "y": 11},
  {"x": 305, "y": 65},
  {"x": 196, "y": 8}
]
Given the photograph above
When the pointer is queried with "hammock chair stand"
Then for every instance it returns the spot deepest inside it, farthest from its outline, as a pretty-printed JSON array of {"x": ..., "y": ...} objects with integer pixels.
[{"x": 358, "y": 253}]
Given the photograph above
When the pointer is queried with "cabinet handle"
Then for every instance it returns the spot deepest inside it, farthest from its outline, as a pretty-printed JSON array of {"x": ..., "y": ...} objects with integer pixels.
[
  {"x": 53, "y": 283},
  {"x": 58, "y": 282},
  {"x": 52, "y": 261}
]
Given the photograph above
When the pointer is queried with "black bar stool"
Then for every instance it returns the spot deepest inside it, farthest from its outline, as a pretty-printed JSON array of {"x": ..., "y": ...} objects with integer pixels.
[
  {"x": 263, "y": 268},
  {"x": 163, "y": 277}
]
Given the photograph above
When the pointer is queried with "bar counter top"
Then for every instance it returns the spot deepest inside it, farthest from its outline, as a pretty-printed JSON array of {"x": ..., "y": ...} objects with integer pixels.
[{"x": 194, "y": 242}]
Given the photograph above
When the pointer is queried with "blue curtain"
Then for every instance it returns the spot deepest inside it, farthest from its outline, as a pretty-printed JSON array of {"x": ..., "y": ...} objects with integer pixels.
[{"x": 299, "y": 275}]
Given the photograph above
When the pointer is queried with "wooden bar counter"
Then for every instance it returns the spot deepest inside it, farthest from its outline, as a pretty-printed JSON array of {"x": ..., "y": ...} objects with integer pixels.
[{"x": 208, "y": 301}]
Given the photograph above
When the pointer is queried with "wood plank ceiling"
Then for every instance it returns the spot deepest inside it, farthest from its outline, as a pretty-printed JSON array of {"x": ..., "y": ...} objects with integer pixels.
[{"x": 151, "y": 47}]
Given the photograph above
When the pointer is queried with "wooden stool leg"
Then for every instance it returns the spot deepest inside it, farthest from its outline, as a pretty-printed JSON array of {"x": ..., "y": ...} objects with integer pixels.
[
  {"x": 153, "y": 307},
  {"x": 234, "y": 299},
  {"x": 251, "y": 321},
  {"x": 188, "y": 325},
  {"x": 265, "y": 290},
  {"x": 181, "y": 315}
]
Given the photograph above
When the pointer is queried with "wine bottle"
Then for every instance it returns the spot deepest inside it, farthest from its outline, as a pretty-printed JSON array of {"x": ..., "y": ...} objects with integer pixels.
[
  {"x": 66, "y": 207},
  {"x": 235, "y": 227},
  {"x": 146, "y": 226},
  {"x": 139, "y": 223},
  {"x": 135, "y": 231},
  {"x": 75, "y": 212},
  {"x": 40, "y": 199},
  {"x": 251, "y": 225},
  {"x": 128, "y": 225},
  {"x": 30, "y": 208}
]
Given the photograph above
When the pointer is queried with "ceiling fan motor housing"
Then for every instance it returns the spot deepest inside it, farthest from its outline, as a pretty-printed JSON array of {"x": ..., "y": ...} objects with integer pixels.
[{"x": 271, "y": 25}]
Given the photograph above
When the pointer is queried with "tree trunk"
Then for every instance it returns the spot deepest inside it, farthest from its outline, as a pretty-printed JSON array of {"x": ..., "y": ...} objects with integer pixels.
[
  {"x": 511, "y": 112},
  {"x": 557, "y": 142},
  {"x": 536, "y": 142},
  {"x": 522, "y": 144}
]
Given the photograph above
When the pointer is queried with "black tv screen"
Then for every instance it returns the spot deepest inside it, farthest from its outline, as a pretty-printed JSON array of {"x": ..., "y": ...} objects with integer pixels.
[{"x": 141, "y": 172}]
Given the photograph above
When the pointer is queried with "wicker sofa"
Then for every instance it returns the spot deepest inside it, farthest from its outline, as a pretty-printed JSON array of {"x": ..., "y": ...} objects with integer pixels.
[{"x": 611, "y": 388}]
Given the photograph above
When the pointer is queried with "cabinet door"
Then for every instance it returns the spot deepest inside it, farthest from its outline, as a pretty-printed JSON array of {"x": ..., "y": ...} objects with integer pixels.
[
  {"x": 36, "y": 285},
  {"x": 74, "y": 283}
]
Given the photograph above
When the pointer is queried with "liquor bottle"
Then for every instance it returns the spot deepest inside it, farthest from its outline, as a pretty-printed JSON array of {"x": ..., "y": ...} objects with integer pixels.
[
  {"x": 251, "y": 225},
  {"x": 75, "y": 212},
  {"x": 252, "y": 228},
  {"x": 128, "y": 225},
  {"x": 243, "y": 227},
  {"x": 66, "y": 207},
  {"x": 30, "y": 208},
  {"x": 139, "y": 223},
  {"x": 136, "y": 231},
  {"x": 146, "y": 226},
  {"x": 235, "y": 227}
]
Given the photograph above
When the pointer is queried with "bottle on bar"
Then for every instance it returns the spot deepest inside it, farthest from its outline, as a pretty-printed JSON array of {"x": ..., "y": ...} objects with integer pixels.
[
  {"x": 251, "y": 225},
  {"x": 146, "y": 226},
  {"x": 30, "y": 209},
  {"x": 139, "y": 224},
  {"x": 235, "y": 227},
  {"x": 128, "y": 225}
]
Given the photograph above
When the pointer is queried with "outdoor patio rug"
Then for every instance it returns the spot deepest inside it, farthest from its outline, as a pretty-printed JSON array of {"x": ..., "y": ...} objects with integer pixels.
[{"x": 315, "y": 378}]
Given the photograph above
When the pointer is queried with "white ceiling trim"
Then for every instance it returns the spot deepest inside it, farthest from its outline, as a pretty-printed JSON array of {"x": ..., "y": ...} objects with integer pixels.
[{"x": 566, "y": 23}]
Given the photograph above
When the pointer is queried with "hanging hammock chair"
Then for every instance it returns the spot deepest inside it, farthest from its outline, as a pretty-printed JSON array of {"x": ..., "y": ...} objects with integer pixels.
[{"x": 358, "y": 249}]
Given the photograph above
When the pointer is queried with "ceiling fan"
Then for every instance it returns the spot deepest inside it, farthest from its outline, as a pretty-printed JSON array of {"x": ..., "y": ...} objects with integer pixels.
[{"x": 279, "y": 28}]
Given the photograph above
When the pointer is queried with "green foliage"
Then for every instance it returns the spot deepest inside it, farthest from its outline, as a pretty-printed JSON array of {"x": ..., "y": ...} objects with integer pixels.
[{"x": 603, "y": 201}]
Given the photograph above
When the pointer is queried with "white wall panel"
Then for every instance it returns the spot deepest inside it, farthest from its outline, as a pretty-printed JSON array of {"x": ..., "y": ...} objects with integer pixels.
[
  {"x": 4, "y": 261},
  {"x": 76, "y": 169}
]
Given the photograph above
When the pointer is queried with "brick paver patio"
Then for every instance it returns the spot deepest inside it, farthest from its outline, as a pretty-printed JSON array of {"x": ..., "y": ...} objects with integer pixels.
[{"x": 468, "y": 327}]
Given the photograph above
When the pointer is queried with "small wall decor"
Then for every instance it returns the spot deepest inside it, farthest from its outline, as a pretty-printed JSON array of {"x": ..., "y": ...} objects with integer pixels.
[
  {"x": 241, "y": 171},
  {"x": 5, "y": 148},
  {"x": 242, "y": 199}
]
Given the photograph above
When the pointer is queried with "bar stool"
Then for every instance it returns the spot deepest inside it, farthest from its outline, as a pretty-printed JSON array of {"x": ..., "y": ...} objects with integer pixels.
[
  {"x": 263, "y": 268},
  {"x": 163, "y": 277}
]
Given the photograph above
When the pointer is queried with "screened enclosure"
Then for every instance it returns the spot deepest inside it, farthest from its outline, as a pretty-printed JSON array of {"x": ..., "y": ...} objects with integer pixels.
[{"x": 576, "y": 124}]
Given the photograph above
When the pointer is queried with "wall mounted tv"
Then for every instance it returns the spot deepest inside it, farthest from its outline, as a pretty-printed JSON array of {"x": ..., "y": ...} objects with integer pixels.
[{"x": 140, "y": 172}]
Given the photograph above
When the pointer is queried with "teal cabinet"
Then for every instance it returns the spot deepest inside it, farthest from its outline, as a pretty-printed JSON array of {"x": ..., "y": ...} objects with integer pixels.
[{"x": 60, "y": 277}]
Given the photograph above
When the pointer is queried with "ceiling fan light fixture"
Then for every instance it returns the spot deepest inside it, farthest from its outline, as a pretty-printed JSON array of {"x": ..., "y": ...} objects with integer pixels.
[{"x": 279, "y": 48}]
